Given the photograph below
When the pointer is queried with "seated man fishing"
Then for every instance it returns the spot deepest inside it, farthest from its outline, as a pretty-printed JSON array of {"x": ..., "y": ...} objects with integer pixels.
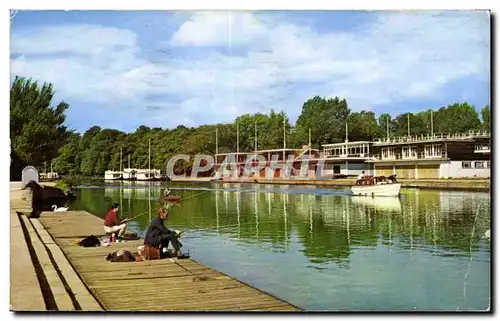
[
  {"x": 113, "y": 225},
  {"x": 158, "y": 236}
]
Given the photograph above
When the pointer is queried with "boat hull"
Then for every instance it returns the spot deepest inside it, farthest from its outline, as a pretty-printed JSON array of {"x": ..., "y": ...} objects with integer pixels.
[
  {"x": 112, "y": 178},
  {"x": 377, "y": 190}
]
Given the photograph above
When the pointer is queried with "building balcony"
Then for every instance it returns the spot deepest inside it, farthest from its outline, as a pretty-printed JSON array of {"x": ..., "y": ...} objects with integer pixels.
[
  {"x": 426, "y": 138},
  {"x": 400, "y": 157},
  {"x": 346, "y": 156}
]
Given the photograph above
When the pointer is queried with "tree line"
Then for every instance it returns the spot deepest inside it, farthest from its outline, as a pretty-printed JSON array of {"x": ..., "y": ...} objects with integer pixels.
[{"x": 39, "y": 136}]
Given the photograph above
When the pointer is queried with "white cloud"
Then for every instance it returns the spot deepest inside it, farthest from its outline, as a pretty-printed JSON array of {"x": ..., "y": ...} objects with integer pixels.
[
  {"x": 401, "y": 56},
  {"x": 274, "y": 63},
  {"x": 219, "y": 28}
]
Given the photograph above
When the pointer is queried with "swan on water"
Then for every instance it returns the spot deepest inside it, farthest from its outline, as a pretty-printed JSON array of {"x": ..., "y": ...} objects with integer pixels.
[{"x": 59, "y": 209}]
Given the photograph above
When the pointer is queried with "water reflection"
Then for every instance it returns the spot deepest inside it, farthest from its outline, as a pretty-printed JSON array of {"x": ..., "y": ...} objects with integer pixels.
[
  {"x": 420, "y": 250},
  {"x": 328, "y": 226}
]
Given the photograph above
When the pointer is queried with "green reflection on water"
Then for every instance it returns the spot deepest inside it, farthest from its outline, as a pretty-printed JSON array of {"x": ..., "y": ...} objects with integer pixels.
[{"x": 295, "y": 240}]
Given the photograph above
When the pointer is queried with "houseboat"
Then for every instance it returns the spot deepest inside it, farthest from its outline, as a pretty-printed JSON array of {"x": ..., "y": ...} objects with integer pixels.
[
  {"x": 347, "y": 159},
  {"x": 129, "y": 174},
  {"x": 148, "y": 174},
  {"x": 112, "y": 175},
  {"x": 433, "y": 156}
]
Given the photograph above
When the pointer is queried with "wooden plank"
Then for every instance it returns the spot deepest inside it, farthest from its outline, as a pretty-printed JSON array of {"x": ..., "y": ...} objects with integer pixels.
[
  {"x": 86, "y": 301},
  {"x": 135, "y": 286}
]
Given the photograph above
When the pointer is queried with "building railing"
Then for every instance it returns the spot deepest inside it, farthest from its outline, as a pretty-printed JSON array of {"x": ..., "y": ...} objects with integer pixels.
[
  {"x": 358, "y": 155},
  {"x": 419, "y": 138},
  {"x": 419, "y": 156}
]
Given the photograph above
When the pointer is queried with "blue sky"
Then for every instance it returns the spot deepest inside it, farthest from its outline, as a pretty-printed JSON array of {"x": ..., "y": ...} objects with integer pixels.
[{"x": 162, "y": 69}]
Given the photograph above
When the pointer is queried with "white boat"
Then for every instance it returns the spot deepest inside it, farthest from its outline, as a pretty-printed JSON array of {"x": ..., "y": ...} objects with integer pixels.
[
  {"x": 130, "y": 174},
  {"x": 112, "y": 175},
  {"x": 377, "y": 190},
  {"x": 145, "y": 176},
  {"x": 379, "y": 203}
]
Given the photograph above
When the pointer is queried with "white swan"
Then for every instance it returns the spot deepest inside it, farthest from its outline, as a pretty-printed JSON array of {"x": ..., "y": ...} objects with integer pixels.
[
  {"x": 487, "y": 234},
  {"x": 59, "y": 209}
]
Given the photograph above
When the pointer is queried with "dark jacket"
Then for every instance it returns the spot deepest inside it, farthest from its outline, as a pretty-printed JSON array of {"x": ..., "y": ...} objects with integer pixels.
[{"x": 155, "y": 230}]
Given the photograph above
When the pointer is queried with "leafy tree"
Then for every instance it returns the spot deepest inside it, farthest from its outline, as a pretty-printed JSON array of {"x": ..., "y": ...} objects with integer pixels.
[
  {"x": 363, "y": 126},
  {"x": 386, "y": 125},
  {"x": 326, "y": 118},
  {"x": 68, "y": 160},
  {"x": 485, "y": 116},
  {"x": 36, "y": 128},
  {"x": 87, "y": 162},
  {"x": 456, "y": 118}
]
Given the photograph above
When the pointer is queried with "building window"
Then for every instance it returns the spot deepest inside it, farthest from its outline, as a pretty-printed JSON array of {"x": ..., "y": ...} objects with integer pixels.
[
  {"x": 479, "y": 164},
  {"x": 433, "y": 150},
  {"x": 466, "y": 165},
  {"x": 482, "y": 147},
  {"x": 388, "y": 153},
  {"x": 409, "y": 152}
]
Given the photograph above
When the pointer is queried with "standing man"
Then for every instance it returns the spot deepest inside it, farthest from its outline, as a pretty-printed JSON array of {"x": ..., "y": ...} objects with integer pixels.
[{"x": 113, "y": 225}]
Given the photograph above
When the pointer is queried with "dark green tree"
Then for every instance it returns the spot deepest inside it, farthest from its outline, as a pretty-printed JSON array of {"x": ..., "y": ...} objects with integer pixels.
[
  {"x": 485, "y": 116},
  {"x": 36, "y": 127},
  {"x": 68, "y": 160},
  {"x": 363, "y": 126},
  {"x": 325, "y": 117}
]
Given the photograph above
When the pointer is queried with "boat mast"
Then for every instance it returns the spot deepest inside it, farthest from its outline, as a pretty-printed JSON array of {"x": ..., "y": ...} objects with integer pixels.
[
  {"x": 128, "y": 160},
  {"x": 432, "y": 124},
  {"x": 237, "y": 138},
  {"x": 149, "y": 159},
  {"x": 387, "y": 124},
  {"x": 255, "y": 136},
  {"x": 121, "y": 161},
  {"x": 284, "y": 137},
  {"x": 216, "y": 144},
  {"x": 309, "y": 143},
  {"x": 408, "y": 124}
]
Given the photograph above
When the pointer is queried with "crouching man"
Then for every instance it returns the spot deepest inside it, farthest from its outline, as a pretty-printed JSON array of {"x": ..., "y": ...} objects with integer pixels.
[{"x": 158, "y": 237}]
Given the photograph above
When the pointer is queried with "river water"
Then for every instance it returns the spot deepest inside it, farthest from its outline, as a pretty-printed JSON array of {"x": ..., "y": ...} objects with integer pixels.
[{"x": 321, "y": 249}]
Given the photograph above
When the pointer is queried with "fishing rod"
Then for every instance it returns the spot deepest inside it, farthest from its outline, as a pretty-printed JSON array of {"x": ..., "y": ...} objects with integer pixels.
[
  {"x": 183, "y": 199},
  {"x": 146, "y": 212},
  {"x": 200, "y": 229}
]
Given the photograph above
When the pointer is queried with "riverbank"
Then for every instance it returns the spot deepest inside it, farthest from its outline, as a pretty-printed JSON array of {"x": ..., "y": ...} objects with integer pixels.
[
  {"x": 449, "y": 184},
  {"x": 472, "y": 184}
]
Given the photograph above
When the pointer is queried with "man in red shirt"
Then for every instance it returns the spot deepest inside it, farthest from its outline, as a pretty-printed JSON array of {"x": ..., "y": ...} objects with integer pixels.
[{"x": 112, "y": 224}]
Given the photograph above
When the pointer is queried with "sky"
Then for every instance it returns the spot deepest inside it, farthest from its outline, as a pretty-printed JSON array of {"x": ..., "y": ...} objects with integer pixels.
[{"x": 123, "y": 69}]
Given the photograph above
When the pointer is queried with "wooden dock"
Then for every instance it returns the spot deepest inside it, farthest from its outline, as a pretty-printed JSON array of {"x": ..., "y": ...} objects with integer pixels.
[{"x": 156, "y": 285}]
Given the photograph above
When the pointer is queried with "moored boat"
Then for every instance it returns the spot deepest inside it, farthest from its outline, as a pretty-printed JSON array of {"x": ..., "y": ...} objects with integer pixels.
[
  {"x": 172, "y": 198},
  {"x": 112, "y": 175},
  {"x": 165, "y": 196},
  {"x": 377, "y": 189}
]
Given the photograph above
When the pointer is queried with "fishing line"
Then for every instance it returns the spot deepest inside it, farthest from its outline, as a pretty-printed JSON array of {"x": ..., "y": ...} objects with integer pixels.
[
  {"x": 471, "y": 257},
  {"x": 146, "y": 212}
]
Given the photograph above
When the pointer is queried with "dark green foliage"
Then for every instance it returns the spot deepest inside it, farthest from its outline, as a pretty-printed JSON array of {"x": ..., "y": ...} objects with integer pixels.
[
  {"x": 36, "y": 127},
  {"x": 38, "y": 134}
]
